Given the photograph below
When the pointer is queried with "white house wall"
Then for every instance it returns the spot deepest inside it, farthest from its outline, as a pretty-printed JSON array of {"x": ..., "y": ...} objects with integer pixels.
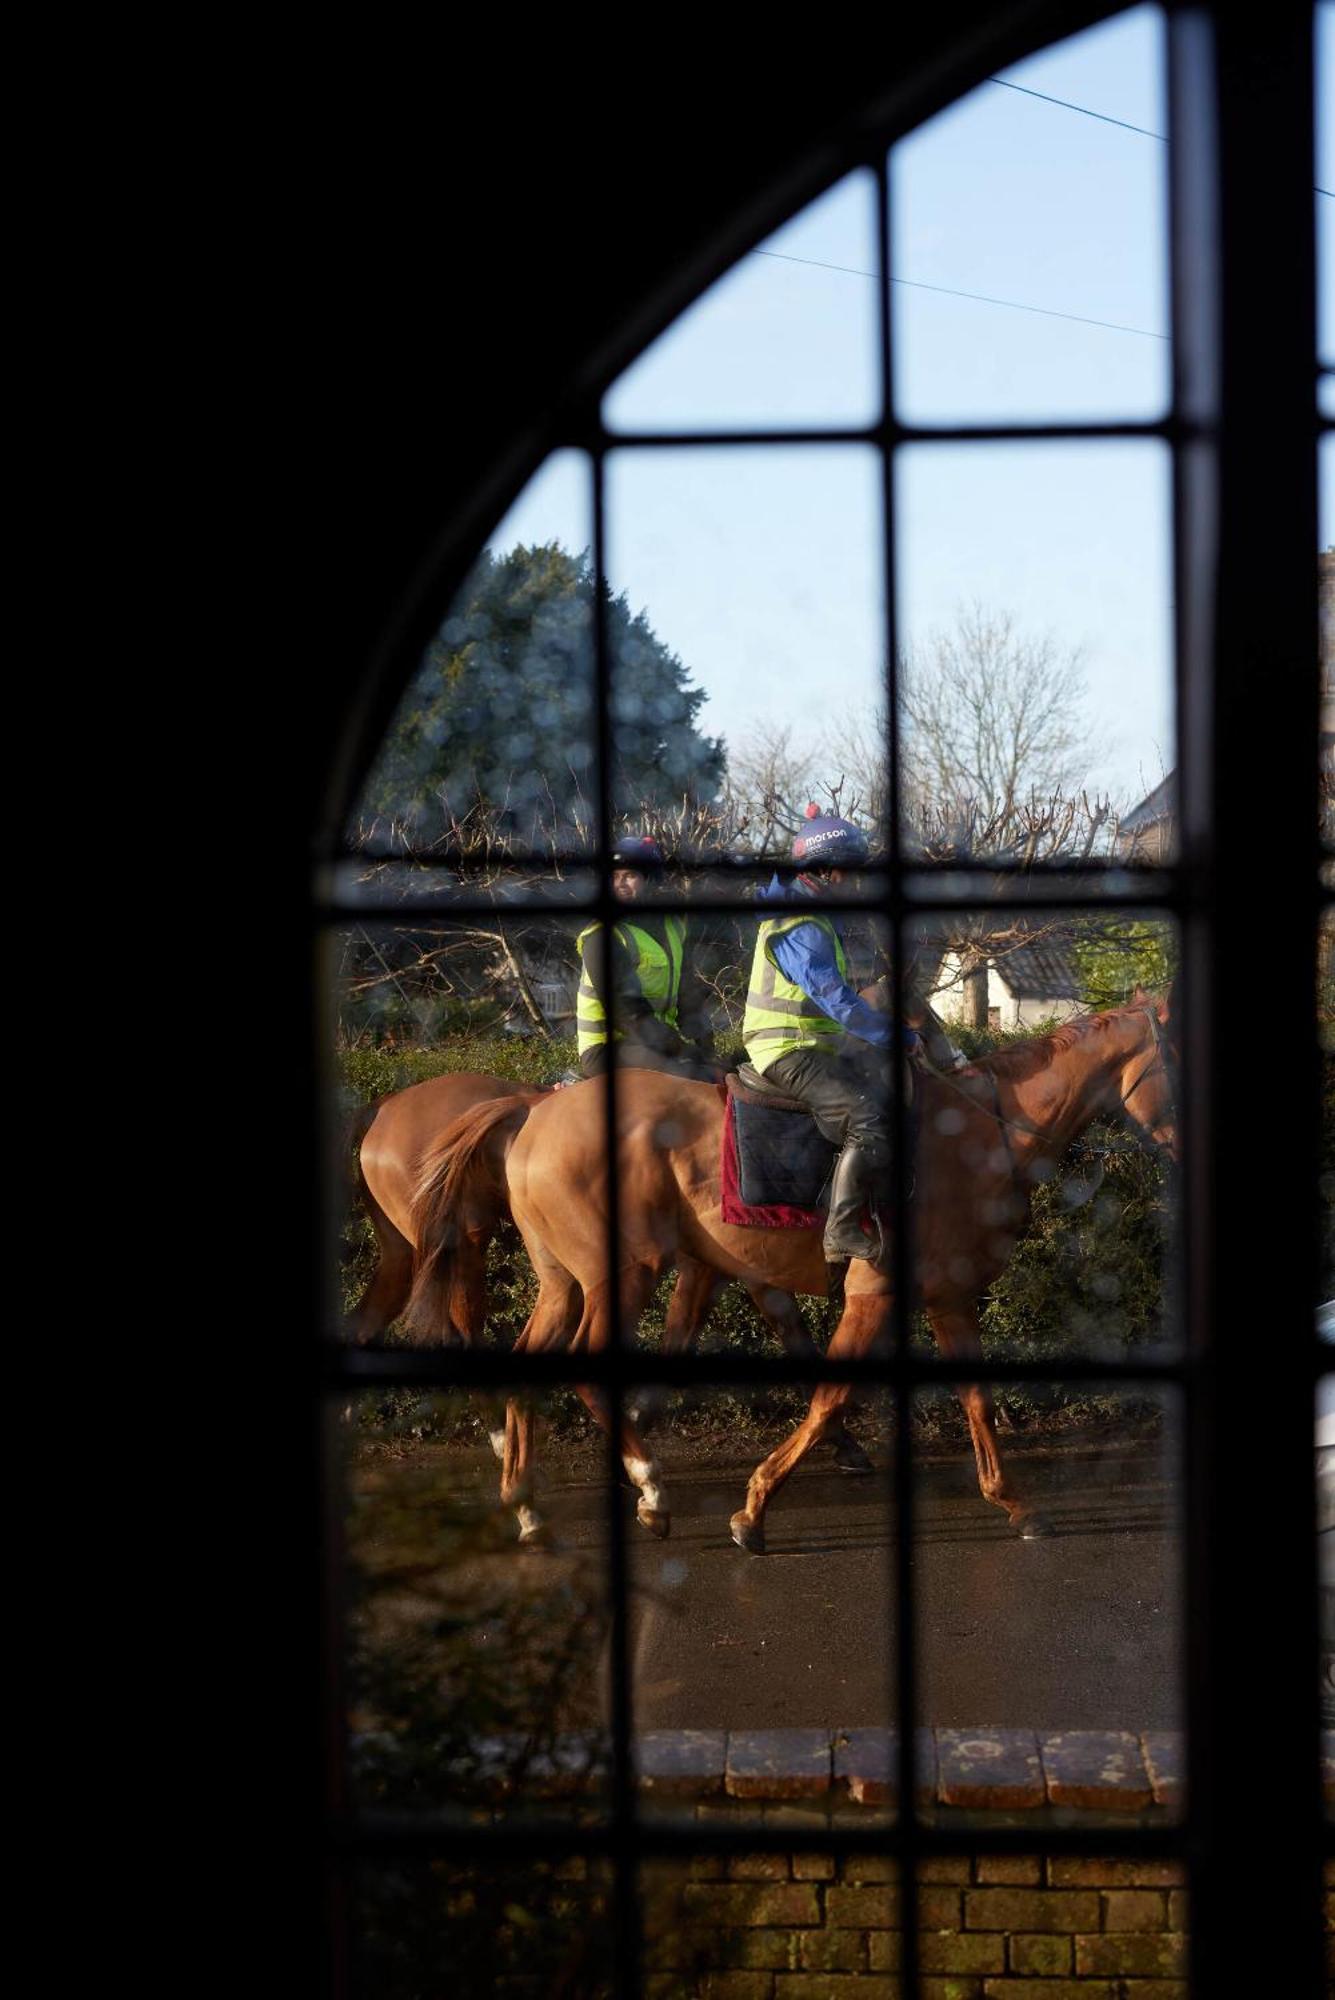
[{"x": 948, "y": 1003}]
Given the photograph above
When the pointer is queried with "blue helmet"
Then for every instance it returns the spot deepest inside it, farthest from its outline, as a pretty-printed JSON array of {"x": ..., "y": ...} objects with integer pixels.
[
  {"x": 827, "y": 842},
  {"x": 635, "y": 851}
]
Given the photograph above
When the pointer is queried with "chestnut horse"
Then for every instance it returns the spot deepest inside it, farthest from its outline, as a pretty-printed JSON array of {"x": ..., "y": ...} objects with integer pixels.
[
  {"x": 986, "y": 1135},
  {"x": 397, "y": 1138}
]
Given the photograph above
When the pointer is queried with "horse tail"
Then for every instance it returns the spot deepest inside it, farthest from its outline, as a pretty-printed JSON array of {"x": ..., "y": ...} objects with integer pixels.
[{"x": 461, "y": 1185}]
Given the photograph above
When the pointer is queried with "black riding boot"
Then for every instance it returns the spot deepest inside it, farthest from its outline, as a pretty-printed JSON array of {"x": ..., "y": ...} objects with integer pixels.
[{"x": 852, "y": 1186}]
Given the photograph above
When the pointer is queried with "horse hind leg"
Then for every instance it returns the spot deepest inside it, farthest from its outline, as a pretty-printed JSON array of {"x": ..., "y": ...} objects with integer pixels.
[
  {"x": 693, "y": 1295},
  {"x": 593, "y": 1334},
  {"x": 391, "y": 1281},
  {"x": 548, "y": 1325},
  {"x": 958, "y": 1337},
  {"x": 780, "y": 1311}
]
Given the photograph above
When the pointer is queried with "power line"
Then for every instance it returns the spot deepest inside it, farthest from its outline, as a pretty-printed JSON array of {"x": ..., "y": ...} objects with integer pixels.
[
  {"x": 1084, "y": 109},
  {"x": 950, "y": 292},
  {"x": 1002, "y": 83}
]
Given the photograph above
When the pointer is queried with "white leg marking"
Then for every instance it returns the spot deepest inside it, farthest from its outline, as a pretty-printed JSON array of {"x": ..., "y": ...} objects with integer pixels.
[
  {"x": 530, "y": 1522},
  {"x": 497, "y": 1442},
  {"x": 644, "y": 1472}
]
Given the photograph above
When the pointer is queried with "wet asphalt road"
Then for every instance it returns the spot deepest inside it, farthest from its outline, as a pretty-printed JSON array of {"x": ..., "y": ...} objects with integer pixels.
[{"x": 1081, "y": 1630}]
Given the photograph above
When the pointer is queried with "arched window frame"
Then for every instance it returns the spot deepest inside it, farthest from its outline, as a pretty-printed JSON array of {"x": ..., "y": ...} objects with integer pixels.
[{"x": 1242, "y": 429}]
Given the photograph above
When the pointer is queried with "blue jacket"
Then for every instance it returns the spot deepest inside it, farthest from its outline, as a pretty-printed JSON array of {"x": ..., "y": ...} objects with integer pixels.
[{"x": 804, "y": 956}]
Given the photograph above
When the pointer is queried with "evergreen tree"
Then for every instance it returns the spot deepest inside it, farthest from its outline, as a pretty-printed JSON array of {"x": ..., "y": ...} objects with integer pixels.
[{"x": 501, "y": 713}]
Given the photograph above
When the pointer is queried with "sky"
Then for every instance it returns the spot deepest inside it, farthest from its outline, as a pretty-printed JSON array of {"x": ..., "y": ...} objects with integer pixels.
[{"x": 761, "y": 566}]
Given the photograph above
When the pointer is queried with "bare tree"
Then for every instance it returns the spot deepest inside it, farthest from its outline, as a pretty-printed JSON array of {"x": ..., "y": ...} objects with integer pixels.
[
  {"x": 995, "y": 750},
  {"x": 992, "y": 717},
  {"x": 768, "y": 783}
]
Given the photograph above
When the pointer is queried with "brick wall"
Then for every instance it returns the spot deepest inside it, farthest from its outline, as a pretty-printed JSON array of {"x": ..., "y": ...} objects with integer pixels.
[
  {"x": 795, "y": 1922},
  {"x": 805, "y": 1926}
]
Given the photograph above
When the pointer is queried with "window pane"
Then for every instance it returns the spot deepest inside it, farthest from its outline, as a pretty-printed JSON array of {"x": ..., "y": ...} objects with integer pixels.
[
  {"x": 1076, "y": 1634},
  {"x": 476, "y": 1670},
  {"x": 492, "y": 746},
  {"x": 494, "y": 996},
  {"x": 811, "y": 1921},
  {"x": 786, "y": 338},
  {"x": 752, "y": 678},
  {"x": 1044, "y": 1185},
  {"x": 1036, "y": 652},
  {"x": 1030, "y": 255},
  {"x": 740, "y": 1641},
  {"x": 516, "y": 1929}
]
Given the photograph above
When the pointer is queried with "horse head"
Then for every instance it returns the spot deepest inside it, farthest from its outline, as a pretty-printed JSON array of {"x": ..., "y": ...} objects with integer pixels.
[{"x": 1148, "y": 1081}]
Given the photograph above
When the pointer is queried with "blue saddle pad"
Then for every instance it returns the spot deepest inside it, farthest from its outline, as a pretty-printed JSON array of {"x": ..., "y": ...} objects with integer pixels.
[{"x": 782, "y": 1160}]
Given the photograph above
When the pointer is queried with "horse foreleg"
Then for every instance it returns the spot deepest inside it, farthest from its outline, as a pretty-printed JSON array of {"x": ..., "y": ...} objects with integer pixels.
[
  {"x": 958, "y": 1337},
  {"x": 864, "y": 1318},
  {"x": 780, "y": 1311}
]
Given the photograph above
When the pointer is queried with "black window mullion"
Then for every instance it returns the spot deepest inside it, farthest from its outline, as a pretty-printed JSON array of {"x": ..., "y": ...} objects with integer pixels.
[
  {"x": 904, "y": 1653},
  {"x": 625, "y": 1885},
  {"x": 1241, "y": 178}
]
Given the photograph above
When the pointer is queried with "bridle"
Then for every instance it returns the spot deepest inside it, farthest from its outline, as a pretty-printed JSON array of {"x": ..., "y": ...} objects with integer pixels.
[{"x": 1159, "y": 1060}]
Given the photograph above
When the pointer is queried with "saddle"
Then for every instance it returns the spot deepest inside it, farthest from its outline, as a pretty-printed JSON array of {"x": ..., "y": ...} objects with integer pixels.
[
  {"x": 776, "y": 1165},
  {"x": 780, "y": 1160}
]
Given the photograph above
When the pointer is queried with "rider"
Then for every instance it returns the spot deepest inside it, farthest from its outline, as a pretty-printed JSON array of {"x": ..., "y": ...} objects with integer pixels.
[
  {"x": 805, "y": 1027},
  {"x": 660, "y": 1005}
]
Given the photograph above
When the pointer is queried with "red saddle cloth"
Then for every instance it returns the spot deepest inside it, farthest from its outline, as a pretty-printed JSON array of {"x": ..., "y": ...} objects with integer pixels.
[{"x": 747, "y": 1215}]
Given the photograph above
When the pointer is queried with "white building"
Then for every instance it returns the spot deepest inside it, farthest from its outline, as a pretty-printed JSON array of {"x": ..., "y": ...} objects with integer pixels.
[{"x": 1026, "y": 984}]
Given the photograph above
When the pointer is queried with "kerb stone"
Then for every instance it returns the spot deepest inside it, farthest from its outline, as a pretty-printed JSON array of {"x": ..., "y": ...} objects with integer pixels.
[
  {"x": 778, "y": 1763},
  {"x": 681, "y": 1763},
  {"x": 988, "y": 1768},
  {"x": 866, "y": 1763},
  {"x": 1165, "y": 1753},
  {"x": 1096, "y": 1768}
]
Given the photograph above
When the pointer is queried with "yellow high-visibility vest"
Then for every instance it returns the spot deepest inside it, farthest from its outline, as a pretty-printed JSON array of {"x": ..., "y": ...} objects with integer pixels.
[
  {"x": 779, "y": 1016},
  {"x": 657, "y": 970}
]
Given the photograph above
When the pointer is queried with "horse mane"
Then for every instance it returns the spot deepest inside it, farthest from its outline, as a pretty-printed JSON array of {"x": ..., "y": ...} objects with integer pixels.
[{"x": 1025, "y": 1059}]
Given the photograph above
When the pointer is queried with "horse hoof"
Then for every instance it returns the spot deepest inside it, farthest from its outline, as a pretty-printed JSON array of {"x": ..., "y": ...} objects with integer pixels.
[
  {"x": 657, "y": 1521},
  {"x": 850, "y": 1457},
  {"x": 1034, "y": 1527},
  {"x": 534, "y": 1536},
  {"x": 748, "y": 1534}
]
